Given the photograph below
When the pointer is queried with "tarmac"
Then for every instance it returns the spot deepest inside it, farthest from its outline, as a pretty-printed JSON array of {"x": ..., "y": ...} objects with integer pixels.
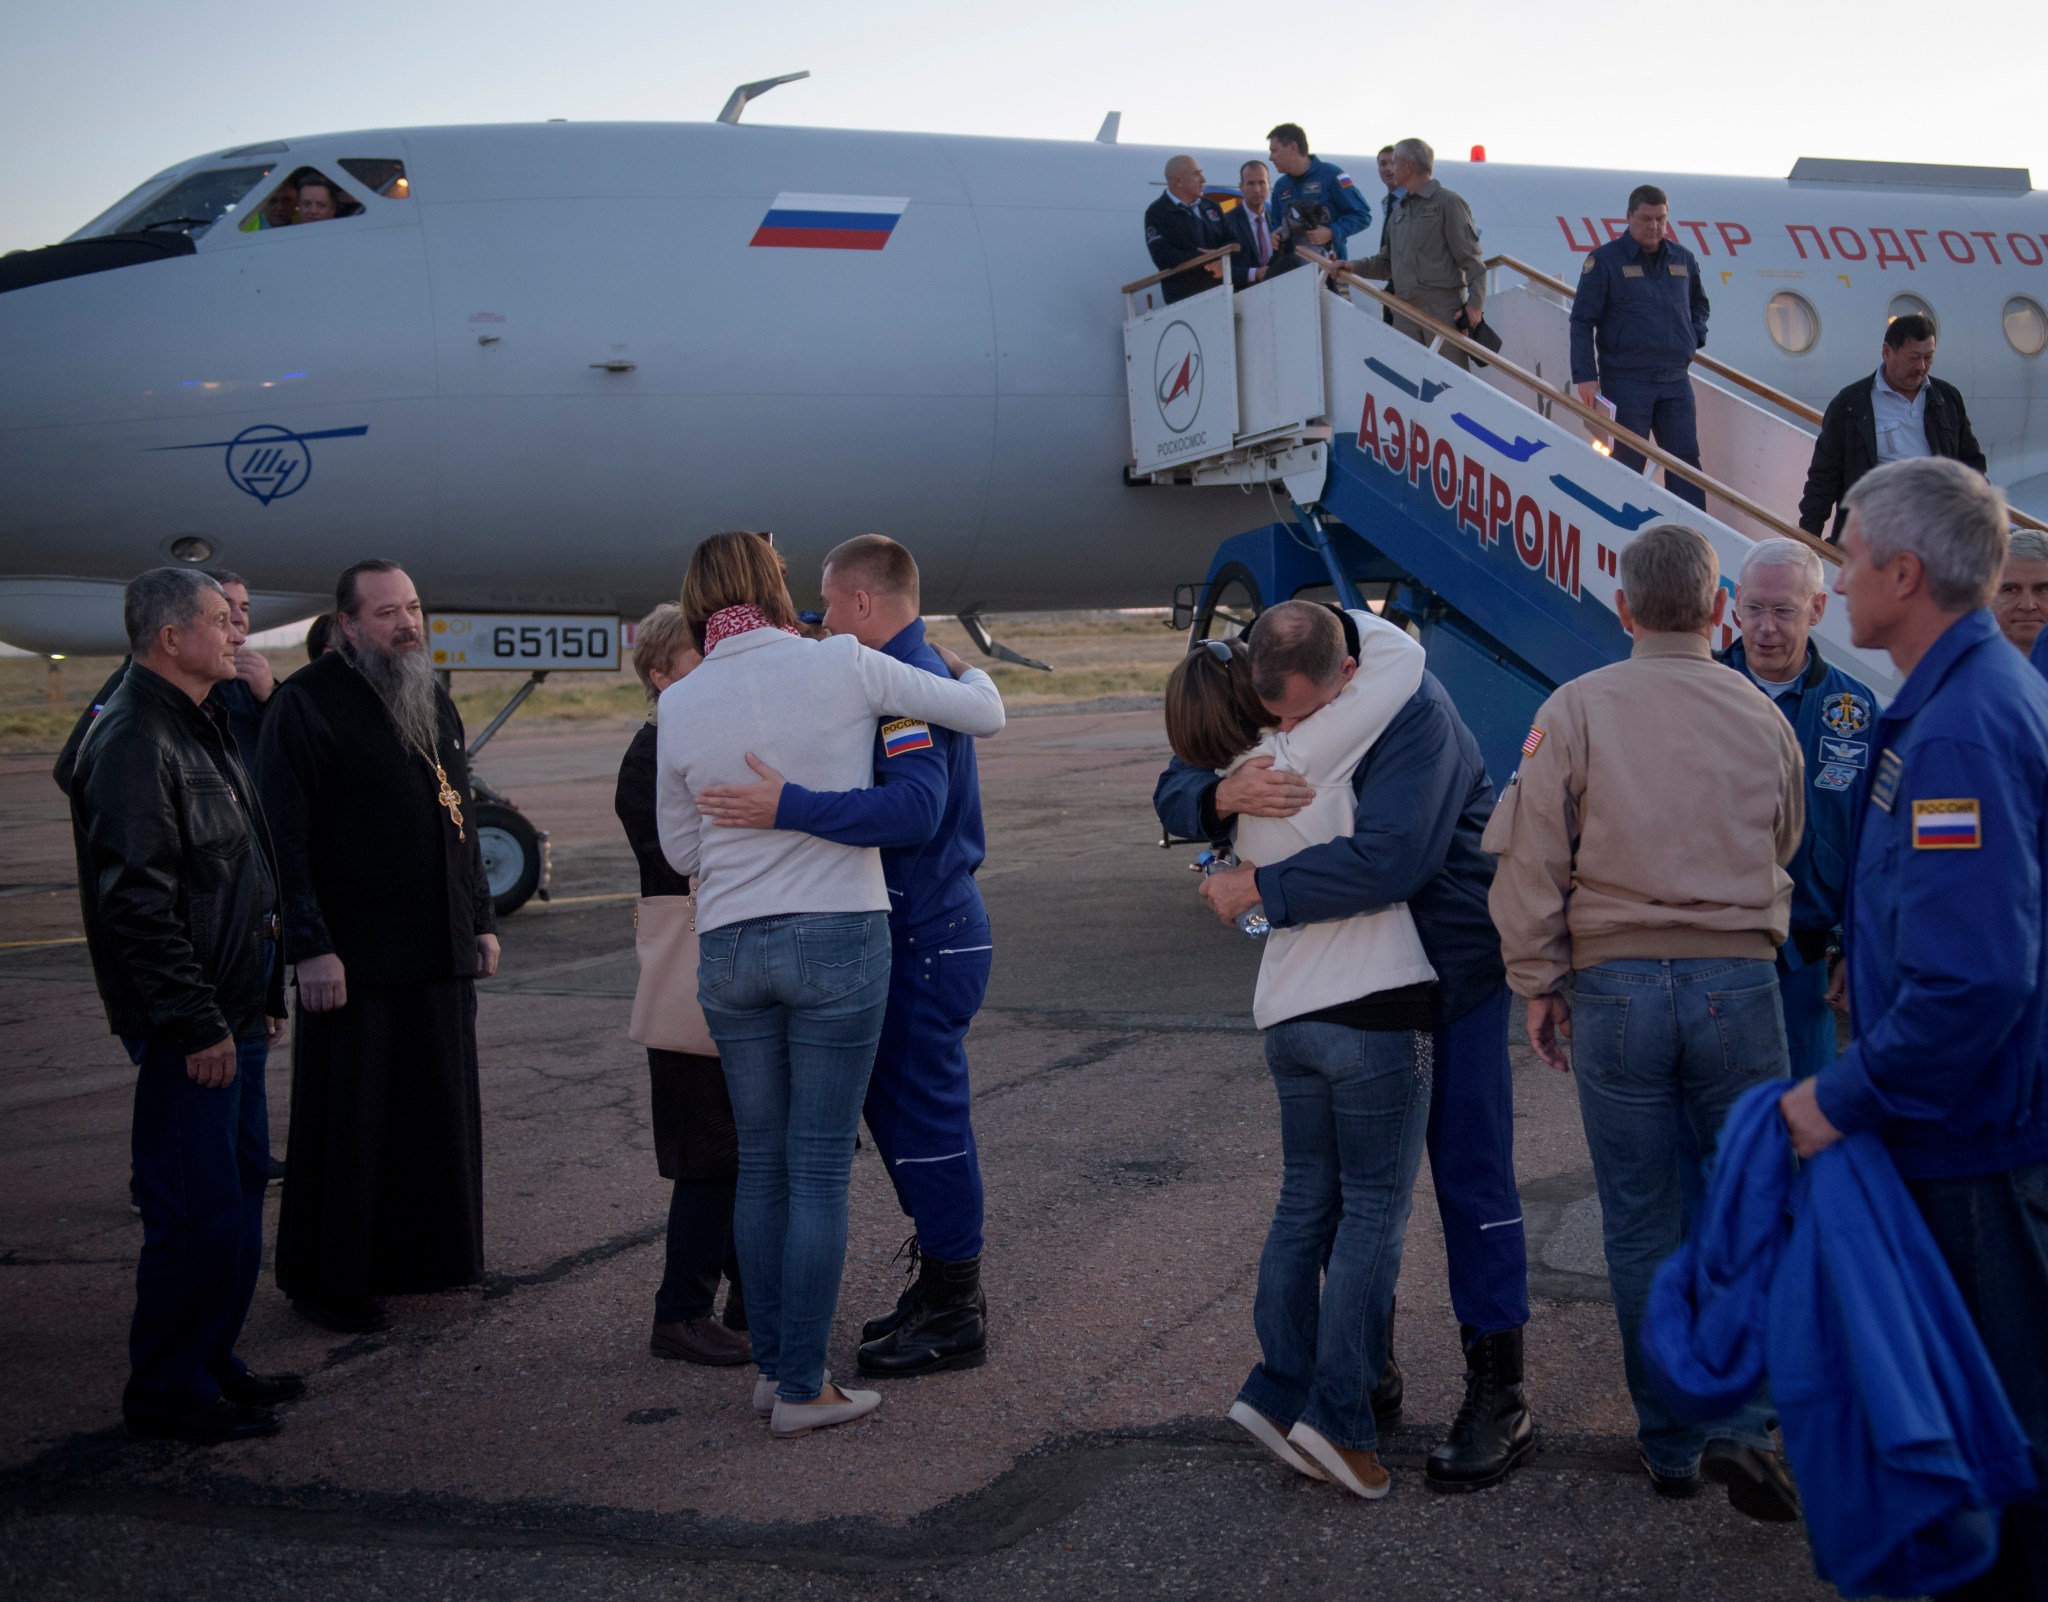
[{"x": 518, "y": 1440}]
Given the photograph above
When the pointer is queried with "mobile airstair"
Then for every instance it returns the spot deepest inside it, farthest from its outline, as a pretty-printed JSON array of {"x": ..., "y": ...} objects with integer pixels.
[{"x": 1484, "y": 507}]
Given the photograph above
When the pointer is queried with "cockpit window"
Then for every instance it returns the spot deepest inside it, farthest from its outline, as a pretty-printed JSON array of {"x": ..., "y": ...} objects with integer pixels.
[
  {"x": 305, "y": 195},
  {"x": 194, "y": 204},
  {"x": 384, "y": 176}
]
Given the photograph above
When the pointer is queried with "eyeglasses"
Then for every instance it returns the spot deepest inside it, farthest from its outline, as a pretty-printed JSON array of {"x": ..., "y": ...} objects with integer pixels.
[{"x": 1784, "y": 616}]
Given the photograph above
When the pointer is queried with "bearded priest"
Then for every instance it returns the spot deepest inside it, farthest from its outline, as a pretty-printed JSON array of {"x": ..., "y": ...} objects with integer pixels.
[{"x": 388, "y": 919}]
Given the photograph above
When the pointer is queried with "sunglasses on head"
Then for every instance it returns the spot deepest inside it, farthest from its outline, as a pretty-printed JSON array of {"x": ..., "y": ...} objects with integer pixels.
[{"x": 1223, "y": 650}]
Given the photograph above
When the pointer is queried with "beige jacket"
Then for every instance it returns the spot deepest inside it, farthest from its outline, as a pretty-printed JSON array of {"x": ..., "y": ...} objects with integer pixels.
[
  {"x": 1656, "y": 807},
  {"x": 1429, "y": 253}
]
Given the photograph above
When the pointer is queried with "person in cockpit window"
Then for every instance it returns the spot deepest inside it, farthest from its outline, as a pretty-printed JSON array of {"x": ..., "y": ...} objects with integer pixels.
[{"x": 320, "y": 201}]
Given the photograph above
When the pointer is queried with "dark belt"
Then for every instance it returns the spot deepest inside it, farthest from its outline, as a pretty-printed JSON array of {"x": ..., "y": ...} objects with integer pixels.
[
  {"x": 1811, "y": 944},
  {"x": 269, "y": 927}
]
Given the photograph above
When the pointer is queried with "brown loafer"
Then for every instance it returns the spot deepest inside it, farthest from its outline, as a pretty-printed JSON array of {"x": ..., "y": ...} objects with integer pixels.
[{"x": 700, "y": 1340}]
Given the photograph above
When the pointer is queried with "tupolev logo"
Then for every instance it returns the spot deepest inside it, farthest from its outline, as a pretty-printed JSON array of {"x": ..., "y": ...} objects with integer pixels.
[
  {"x": 267, "y": 461},
  {"x": 1177, "y": 377}
]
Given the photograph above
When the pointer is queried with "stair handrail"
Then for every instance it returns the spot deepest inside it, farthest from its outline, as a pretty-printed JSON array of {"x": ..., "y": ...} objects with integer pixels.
[
  {"x": 1202, "y": 260},
  {"x": 1756, "y": 386},
  {"x": 1601, "y": 422}
]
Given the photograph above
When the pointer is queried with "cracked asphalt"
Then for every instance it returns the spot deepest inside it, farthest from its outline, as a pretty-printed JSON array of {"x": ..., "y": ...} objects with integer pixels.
[{"x": 518, "y": 1441}]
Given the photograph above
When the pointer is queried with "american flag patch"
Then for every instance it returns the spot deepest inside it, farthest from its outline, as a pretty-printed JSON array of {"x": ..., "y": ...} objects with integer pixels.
[
  {"x": 905, "y": 734},
  {"x": 1529, "y": 745},
  {"x": 1946, "y": 825}
]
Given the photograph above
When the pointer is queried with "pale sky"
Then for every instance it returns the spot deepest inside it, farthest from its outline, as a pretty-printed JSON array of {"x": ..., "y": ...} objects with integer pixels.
[{"x": 96, "y": 95}]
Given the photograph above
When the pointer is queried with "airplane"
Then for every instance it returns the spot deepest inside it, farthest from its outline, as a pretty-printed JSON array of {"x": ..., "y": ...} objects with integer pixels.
[{"x": 539, "y": 362}]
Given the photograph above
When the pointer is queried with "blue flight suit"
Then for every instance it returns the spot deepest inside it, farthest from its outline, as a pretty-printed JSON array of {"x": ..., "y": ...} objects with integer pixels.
[
  {"x": 2039, "y": 654},
  {"x": 925, "y": 813},
  {"x": 1642, "y": 317},
  {"x": 1325, "y": 183},
  {"x": 1832, "y": 714},
  {"x": 1423, "y": 801},
  {"x": 1948, "y": 997}
]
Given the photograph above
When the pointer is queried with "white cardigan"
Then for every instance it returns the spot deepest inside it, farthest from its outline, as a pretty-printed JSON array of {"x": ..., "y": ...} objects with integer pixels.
[
  {"x": 807, "y": 708},
  {"x": 1316, "y": 965}
]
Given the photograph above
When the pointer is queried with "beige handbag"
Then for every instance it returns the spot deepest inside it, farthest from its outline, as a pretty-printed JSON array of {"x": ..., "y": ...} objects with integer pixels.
[{"x": 666, "y": 1015}]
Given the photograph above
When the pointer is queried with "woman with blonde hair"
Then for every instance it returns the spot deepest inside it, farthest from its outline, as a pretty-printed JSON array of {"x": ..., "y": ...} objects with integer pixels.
[{"x": 793, "y": 936}]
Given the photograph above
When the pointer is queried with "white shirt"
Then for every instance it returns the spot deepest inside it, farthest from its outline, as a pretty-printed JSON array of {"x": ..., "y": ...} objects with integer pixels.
[
  {"x": 1316, "y": 965},
  {"x": 807, "y": 708},
  {"x": 1901, "y": 423}
]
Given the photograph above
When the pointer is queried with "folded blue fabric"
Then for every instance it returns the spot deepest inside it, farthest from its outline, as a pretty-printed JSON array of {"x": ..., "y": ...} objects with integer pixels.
[{"x": 1823, "y": 1281}]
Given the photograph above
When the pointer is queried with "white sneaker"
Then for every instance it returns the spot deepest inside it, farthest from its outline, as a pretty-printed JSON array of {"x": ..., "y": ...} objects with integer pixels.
[
  {"x": 791, "y": 1419},
  {"x": 1263, "y": 1430},
  {"x": 764, "y": 1393},
  {"x": 1371, "y": 1482}
]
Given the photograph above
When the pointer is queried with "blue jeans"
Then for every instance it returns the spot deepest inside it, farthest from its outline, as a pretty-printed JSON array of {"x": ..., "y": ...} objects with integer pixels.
[
  {"x": 1354, "y": 1106},
  {"x": 1661, "y": 1051},
  {"x": 201, "y": 1160},
  {"x": 1809, "y": 1022},
  {"x": 1665, "y": 413},
  {"x": 795, "y": 1004},
  {"x": 1992, "y": 1230}
]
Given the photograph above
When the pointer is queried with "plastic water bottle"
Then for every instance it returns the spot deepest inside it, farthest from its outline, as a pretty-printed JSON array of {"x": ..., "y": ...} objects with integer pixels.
[{"x": 1253, "y": 923}]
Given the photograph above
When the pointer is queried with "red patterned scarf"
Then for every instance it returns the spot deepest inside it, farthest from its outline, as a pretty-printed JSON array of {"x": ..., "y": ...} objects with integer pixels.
[{"x": 723, "y": 625}]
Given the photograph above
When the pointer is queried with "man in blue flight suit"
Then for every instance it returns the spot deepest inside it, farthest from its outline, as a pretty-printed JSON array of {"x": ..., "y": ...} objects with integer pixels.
[
  {"x": 1423, "y": 801},
  {"x": 1307, "y": 179},
  {"x": 1642, "y": 311},
  {"x": 1781, "y": 594},
  {"x": 1948, "y": 964},
  {"x": 924, "y": 812}
]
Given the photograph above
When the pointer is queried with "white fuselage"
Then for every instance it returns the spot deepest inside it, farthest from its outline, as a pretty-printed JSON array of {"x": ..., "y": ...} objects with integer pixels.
[{"x": 961, "y": 389}]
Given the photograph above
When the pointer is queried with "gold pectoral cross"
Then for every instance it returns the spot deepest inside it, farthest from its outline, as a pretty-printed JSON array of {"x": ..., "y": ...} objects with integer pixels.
[{"x": 451, "y": 798}]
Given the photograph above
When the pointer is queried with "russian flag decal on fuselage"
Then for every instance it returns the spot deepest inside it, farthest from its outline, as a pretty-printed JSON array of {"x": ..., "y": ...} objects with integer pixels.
[{"x": 830, "y": 222}]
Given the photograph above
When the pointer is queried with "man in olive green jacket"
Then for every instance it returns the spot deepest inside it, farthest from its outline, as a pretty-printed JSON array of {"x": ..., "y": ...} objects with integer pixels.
[{"x": 1429, "y": 251}]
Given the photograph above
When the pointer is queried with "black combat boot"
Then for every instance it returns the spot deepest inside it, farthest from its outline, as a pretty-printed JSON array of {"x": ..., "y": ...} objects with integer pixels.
[
  {"x": 1388, "y": 1393},
  {"x": 1493, "y": 1432},
  {"x": 875, "y": 1328},
  {"x": 945, "y": 1325}
]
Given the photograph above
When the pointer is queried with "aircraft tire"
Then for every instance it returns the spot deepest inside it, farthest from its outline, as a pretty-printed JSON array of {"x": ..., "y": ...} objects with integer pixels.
[
  {"x": 1230, "y": 603},
  {"x": 512, "y": 850}
]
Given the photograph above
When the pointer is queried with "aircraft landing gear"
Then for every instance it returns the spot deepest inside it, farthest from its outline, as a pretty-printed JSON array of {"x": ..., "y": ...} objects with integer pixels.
[{"x": 517, "y": 859}]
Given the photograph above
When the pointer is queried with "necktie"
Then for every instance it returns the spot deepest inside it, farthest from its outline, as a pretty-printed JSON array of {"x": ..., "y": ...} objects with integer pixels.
[{"x": 1259, "y": 234}]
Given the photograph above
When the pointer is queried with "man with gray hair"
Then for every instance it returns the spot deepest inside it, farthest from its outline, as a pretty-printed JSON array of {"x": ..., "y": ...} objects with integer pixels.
[
  {"x": 2021, "y": 601},
  {"x": 179, "y": 893},
  {"x": 1780, "y": 597},
  {"x": 1429, "y": 249},
  {"x": 388, "y": 919},
  {"x": 1182, "y": 224},
  {"x": 1641, "y": 898},
  {"x": 1948, "y": 968}
]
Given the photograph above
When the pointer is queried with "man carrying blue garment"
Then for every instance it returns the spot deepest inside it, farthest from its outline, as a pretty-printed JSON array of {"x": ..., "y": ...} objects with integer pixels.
[
  {"x": 1779, "y": 597},
  {"x": 1948, "y": 964},
  {"x": 924, "y": 812}
]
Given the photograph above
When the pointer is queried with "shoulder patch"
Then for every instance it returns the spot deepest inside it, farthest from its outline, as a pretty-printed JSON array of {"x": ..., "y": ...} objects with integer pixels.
[
  {"x": 1535, "y": 739},
  {"x": 905, "y": 735},
  {"x": 1948, "y": 825},
  {"x": 1587, "y": 265}
]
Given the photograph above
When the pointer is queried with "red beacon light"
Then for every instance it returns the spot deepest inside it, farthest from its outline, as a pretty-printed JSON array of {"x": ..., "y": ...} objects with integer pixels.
[{"x": 1479, "y": 152}]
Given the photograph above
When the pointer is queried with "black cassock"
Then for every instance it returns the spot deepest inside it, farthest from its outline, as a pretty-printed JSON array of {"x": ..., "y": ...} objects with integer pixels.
[{"x": 383, "y": 1188}]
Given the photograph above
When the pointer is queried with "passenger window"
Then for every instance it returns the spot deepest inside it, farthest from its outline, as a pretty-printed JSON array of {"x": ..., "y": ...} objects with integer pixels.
[
  {"x": 1911, "y": 306},
  {"x": 2026, "y": 326},
  {"x": 194, "y": 204},
  {"x": 1794, "y": 324},
  {"x": 384, "y": 177}
]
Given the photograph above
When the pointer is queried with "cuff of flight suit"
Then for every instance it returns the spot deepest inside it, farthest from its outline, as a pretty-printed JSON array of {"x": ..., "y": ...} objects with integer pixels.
[
  {"x": 793, "y": 809},
  {"x": 1271, "y": 896},
  {"x": 1846, "y": 1095}
]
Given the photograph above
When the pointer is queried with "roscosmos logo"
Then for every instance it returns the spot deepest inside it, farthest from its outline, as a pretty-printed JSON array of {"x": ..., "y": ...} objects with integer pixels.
[{"x": 1177, "y": 377}]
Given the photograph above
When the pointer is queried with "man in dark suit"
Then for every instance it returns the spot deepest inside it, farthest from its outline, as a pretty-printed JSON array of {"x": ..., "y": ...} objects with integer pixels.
[
  {"x": 1249, "y": 226},
  {"x": 1181, "y": 225},
  {"x": 1897, "y": 412}
]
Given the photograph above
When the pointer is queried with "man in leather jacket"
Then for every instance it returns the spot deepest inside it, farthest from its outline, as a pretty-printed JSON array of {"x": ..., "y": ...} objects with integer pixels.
[{"x": 179, "y": 894}]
